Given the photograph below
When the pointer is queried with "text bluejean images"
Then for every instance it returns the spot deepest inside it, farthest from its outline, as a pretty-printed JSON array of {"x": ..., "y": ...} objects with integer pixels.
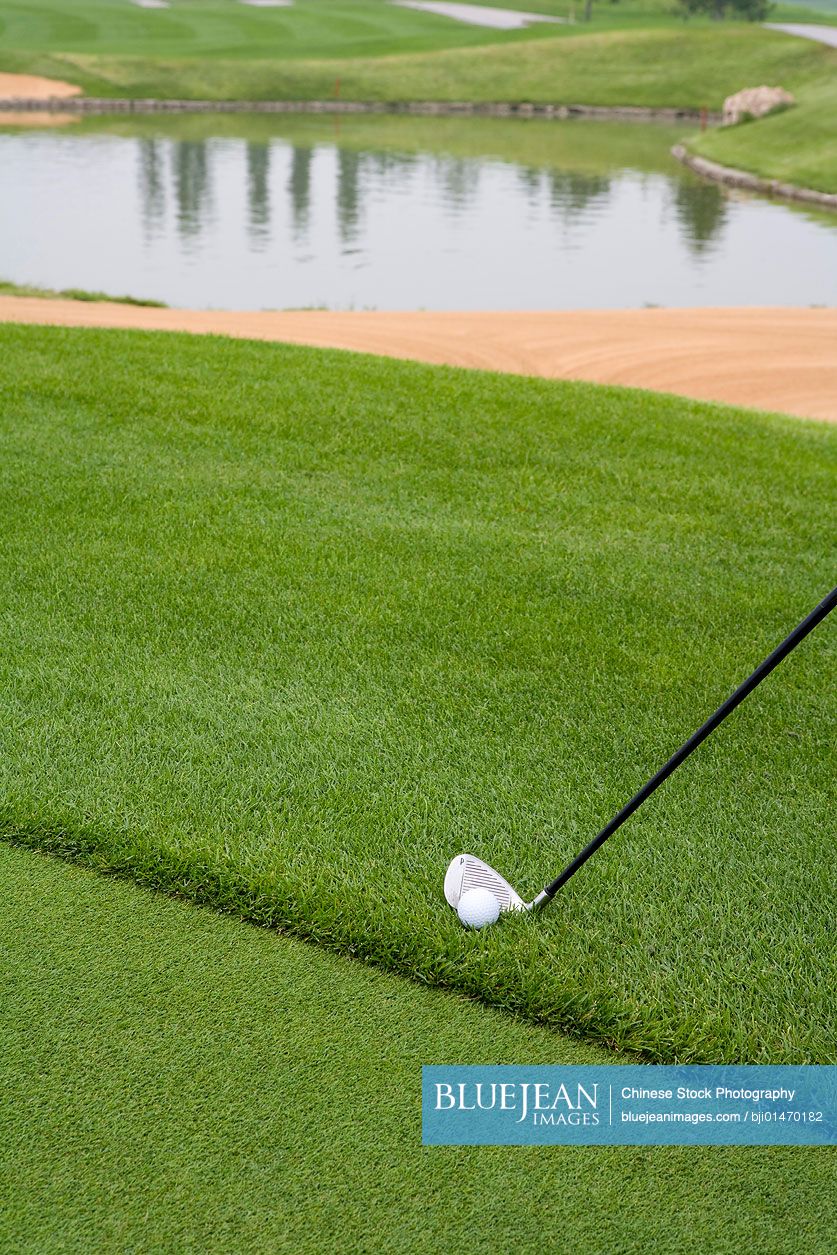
[{"x": 632, "y": 1105}]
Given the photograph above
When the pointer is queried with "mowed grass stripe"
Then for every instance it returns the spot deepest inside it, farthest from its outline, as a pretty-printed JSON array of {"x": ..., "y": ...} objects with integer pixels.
[
  {"x": 228, "y": 29},
  {"x": 381, "y": 52},
  {"x": 286, "y": 629},
  {"x": 175, "y": 1080}
]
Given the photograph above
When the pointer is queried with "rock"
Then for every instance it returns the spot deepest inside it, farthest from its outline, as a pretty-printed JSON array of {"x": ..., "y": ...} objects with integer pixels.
[{"x": 754, "y": 102}]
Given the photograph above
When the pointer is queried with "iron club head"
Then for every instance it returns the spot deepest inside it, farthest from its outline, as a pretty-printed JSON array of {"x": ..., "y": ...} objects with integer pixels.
[{"x": 466, "y": 871}]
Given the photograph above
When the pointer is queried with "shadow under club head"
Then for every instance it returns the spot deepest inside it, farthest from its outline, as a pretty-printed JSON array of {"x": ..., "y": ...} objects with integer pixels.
[{"x": 466, "y": 871}]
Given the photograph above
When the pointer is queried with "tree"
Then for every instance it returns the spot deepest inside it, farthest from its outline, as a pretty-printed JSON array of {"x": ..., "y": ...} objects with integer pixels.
[
  {"x": 588, "y": 10},
  {"x": 750, "y": 10}
]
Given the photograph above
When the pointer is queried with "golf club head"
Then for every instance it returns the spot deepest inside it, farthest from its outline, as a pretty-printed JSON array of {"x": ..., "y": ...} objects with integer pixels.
[{"x": 466, "y": 871}]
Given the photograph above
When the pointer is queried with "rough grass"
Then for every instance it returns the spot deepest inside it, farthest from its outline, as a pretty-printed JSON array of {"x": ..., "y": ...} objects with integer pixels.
[
  {"x": 286, "y": 629},
  {"x": 176, "y": 1080},
  {"x": 797, "y": 145},
  {"x": 72, "y": 294}
]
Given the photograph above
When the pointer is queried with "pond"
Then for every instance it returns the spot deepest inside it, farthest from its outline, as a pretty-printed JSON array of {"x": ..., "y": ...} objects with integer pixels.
[{"x": 261, "y": 212}]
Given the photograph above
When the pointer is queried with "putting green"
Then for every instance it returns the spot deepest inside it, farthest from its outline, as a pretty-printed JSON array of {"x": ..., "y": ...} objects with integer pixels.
[{"x": 173, "y": 1079}]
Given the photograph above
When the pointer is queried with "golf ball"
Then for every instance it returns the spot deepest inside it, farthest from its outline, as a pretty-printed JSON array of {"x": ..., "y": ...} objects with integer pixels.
[{"x": 477, "y": 908}]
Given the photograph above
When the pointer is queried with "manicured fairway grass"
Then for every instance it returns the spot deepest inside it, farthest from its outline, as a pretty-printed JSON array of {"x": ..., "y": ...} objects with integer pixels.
[
  {"x": 216, "y": 49},
  {"x": 176, "y": 1080},
  {"x": 224, "y": 29},
  {"x": 284, "y": 630}
]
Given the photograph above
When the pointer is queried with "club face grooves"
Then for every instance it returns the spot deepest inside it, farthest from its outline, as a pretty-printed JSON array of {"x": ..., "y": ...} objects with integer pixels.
[{"x": 466, "y": 871}]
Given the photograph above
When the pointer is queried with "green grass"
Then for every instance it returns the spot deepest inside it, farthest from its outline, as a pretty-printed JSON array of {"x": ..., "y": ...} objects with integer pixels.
[
  {"x": 190, "y": 52},
  {"x": 798, "y": 145},
  {"x": 285, "y": 629},
  {"x": 223, "y": 29},
  {"x": 176, "y": 1080},
  {"x": 72, "y": 294}
]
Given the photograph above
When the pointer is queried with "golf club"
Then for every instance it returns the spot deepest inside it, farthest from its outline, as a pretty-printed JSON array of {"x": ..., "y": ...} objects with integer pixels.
[{"x": 490, "y": 893}]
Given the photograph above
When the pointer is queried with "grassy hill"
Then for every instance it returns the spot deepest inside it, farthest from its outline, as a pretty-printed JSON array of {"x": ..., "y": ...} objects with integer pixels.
[{"x": 798, "y": 145}]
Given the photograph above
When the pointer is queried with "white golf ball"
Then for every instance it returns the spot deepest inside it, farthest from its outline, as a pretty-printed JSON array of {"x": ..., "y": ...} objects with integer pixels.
[{"x": 477, "y": 908}]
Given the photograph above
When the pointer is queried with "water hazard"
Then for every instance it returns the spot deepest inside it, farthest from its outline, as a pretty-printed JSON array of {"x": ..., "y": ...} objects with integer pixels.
[{"x": 395, "y": 213}]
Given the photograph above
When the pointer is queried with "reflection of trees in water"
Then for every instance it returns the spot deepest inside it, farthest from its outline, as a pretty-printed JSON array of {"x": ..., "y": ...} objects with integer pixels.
[
  {"x": 258, "y": 191},
  {"x": 152, "y": 187},
  {"x": 459, "y": 180},
  {"x": 531, "y": 180},
  {"x": 388, "y": 163},
  {"x": 572, "y": 192},
  {"x": 355, "y": 174},
  {"x": 348, "y": 193},
  {"x": 568, "y": 191},
  {"x": 701, "y": 210},
  {"x": 299, "y": 186},
  {"x": 191, "y": 183}
]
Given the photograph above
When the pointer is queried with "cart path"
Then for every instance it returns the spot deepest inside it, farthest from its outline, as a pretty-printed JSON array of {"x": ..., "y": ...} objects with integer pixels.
[
  {"x": 772, "y": 359},
  {"x": 806, "y": 30},
  {"x": 479, "y": 15}
]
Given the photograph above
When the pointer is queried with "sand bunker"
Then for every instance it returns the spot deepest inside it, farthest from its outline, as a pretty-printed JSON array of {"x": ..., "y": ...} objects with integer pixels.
[
  {"x": 30, "y": 87},
  {"x": 771, "y": 359}
]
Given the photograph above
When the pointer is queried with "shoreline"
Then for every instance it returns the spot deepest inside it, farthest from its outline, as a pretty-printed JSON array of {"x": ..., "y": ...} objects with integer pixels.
[
  {"x": 730, "y": 176},
  {"x": 423, "y": 108},
  {"x": 780, "y": 360}
]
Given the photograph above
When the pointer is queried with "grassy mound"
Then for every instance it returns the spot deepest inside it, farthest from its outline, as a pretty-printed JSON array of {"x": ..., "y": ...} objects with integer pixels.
[
  {"x": 797, "y": 145},
  {"x": 175, "y": 1080},
  {"x": 285, "y": 629}
]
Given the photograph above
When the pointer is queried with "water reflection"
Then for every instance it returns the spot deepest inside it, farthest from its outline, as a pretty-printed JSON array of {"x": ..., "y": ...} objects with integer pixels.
[
  {"x": 152, "y": 184},
  {"x": 192, "y": 185},
  {"x": 456, "y": 182},
  {"x": 348, "y": 194},
  {"x": 266, "y": 221},
  {"x": 459, "y": 181},
  {"x": 258, "y": 192},
  {"x": 299, "y": 186},
  {"x": 702, "y": 210},
  {"x": 572, "y": 193}
]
